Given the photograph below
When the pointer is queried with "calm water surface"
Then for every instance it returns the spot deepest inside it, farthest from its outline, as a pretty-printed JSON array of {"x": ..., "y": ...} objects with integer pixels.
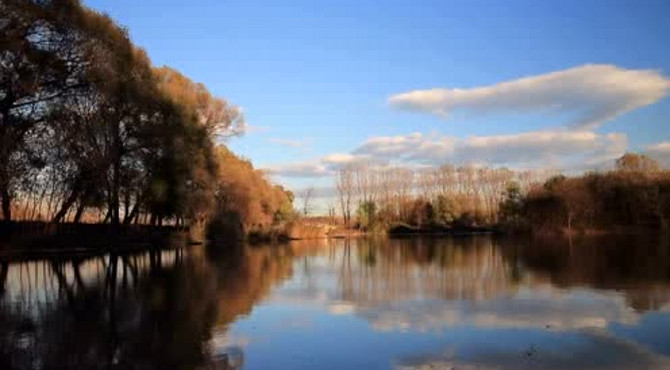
[{"x": 455, "y": 303}]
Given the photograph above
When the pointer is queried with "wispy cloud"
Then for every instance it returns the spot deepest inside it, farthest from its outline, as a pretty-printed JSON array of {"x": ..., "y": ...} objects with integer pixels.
[
  {"x": 561, "y": 148},
  {"x": 592, "y": 94},
  {"x": 292, "y": 143},
  {"x": 660, "y": 151},
  {"x": 661, "y": 148},
  {"x": 338, "y": 159},
  {"x": 415, "y": 147},
  {"x": 299, "y": 169},
  {"x": 569, "y": 150},
  {"x": 257, "y": 129}
]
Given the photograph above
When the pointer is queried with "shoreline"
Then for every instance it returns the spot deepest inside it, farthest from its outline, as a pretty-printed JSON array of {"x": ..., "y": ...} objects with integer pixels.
[{"x": 42, "y": 239}]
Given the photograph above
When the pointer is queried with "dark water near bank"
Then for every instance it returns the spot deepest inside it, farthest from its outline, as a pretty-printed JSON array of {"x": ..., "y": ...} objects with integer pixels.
[{"x": 463, "y": 303}]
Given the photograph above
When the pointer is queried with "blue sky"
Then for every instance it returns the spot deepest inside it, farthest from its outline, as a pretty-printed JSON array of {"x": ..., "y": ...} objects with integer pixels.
[{"x": 315, "y": 78}]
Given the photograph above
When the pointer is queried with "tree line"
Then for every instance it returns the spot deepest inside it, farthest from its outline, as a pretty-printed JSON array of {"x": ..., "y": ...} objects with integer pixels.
[
  {"x": 369, "y": 194},
  {"x": 91, "y": 131},
  {"x": 636, "y": 192}
]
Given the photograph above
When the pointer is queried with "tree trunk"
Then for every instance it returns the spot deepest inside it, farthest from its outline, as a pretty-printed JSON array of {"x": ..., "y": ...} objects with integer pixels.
[
  {"x": 6, "y": 204},
  {"x": 570, "y": 223},
  {"x": 80, "y": 212},
  {"x": 66, "y": 205},
  {"x": 6, "y": 145},
  {"x": 4, "y": 267},
  {"x": 38, "y": 204},
  {"x": 126, "y": 204},
  {"x": 115, "y": 197},
  {"x": 116, "y": 174},
  {"x": 107, "y": 216},
  {"x": 129, "y": 217}
]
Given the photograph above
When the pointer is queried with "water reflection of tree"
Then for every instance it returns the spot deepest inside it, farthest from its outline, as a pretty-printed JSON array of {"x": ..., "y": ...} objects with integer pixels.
[
  {"x": 3, "y": 277},
  {"x": 374, "y": 270},
  {"x": 104, "y": 312},
  {"x": 638, "y": 266},
  {"x": 245, "y": 275},
  {"x": 151, "y": 310}
]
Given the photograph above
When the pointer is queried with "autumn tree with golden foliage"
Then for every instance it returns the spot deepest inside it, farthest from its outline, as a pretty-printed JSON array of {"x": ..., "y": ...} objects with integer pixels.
[
  {"x": 636, "y": 194},
  {"x": 91, "y": 131}
]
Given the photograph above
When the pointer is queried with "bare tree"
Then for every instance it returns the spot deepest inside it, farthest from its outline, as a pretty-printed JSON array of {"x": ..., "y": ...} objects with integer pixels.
[
  {"x": 366, "y": 180},
  {"x": 331, "y": 213},
  {"x": 427, "y": 181},
  {"x": 447, "y": 180},
  {"x": 403, "y": 182},
  {"x": 306, "y": 198},
  {"x": 345, "y": 189}
]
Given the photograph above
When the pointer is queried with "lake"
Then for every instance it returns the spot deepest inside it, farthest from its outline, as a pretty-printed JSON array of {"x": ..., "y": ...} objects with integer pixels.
[{"x": 418, "y": 303}]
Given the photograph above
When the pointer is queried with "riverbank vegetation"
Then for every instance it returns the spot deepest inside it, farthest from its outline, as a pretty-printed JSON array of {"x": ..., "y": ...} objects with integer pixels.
[
  {"x": 439, "y": 199},
  {"x": 635, "y": 194},
  {"x": 91, "y": 131}
]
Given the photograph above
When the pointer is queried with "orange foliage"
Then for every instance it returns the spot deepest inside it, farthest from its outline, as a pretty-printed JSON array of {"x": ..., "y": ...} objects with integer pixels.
[{"x": 247, "y": 192}]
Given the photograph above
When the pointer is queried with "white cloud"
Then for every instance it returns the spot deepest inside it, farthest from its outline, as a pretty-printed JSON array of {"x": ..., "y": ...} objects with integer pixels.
[
  {"x": 319, "y": 167},
  {"x": 567, "y": 150},
  {"x": 593, "y": 94},
  {"x": 257, "y": 129},
  {"x": 536, "y": 148},
  {"x": 662, "y": 147},
  {"x": 340, "y": 159},
  {"x": 291, "y": 143},
  {"x": 414, "y": 147},
  {"x": 660, "y": 151},
  {"x": 299, "y": 169}
]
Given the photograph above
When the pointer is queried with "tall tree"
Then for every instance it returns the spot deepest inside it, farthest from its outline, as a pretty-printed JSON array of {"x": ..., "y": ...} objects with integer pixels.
[
  {"x": 344, "y": 184},
  {"x": 39, "y": 63}
]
